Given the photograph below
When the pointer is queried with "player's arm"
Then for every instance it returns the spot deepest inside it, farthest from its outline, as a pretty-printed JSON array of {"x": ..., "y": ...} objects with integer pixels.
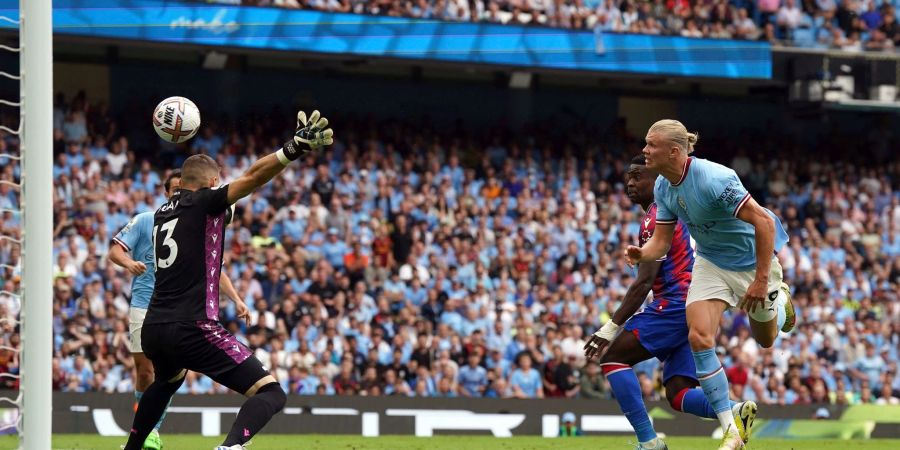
[
  {"x": 764, "y": 226},
  {"x": 227, "y": 287},
  {"x": 656, "y": 247},
  {"x": 119, "y": 257},
  {"x": 310, "y": 136},
  {"x": 633, "y": 300},
  {"x": 637, "y": 292},
  {"x": 124, "y": 241}
]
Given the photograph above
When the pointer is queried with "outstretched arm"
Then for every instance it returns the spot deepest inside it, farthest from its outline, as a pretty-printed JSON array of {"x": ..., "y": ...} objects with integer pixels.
[
  {"x": 311, "y": 135},
  {"x": 655, "y": 248}
]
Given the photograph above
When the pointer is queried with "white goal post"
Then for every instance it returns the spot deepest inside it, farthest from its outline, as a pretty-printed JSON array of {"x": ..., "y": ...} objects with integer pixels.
[{"x": 36, "y": 69}]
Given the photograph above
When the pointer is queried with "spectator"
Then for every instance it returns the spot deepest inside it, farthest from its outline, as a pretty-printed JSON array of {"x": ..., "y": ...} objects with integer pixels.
[
  {"x": 789, "y": 16},
  {"x": 473, "y": 378},
  {"x": 534, "y": 269},
  {"x": 745, "y": 28},
  {"x": 691, "y": 30},
  {"x": 568, "y": 427},
  {"x": 592, "y": 384},
  {"x": 872, "y": 17},
  {"x": 887, "y": 396},
  {"x": 890, "y": 28},
  {"x": 717, "y": 20},
  {"x": 767, "y": 11},
  {"x": 525, "y": 380},
  {"x": 869, "y": 367}
]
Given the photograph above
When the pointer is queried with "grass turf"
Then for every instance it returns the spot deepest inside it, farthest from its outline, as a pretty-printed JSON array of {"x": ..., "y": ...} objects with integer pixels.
[{"x": 297, "y": 442}]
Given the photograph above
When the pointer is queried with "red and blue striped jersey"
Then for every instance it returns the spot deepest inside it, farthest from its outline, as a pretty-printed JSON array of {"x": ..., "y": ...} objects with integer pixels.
[{"x": 674, "y": 277}]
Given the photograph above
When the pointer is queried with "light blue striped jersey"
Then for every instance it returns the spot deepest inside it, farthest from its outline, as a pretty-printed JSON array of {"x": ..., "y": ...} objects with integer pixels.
[
  {"x": 137, "y": 238},
  {"x": 707, "y": 199}
]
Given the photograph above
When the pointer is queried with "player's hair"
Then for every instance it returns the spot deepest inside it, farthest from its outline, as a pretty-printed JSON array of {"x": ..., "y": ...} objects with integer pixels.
[
  {"x": 197, "y": 170},
  {"x": 677, "y": 133},
  {"x": 636, "y": 163},
  {"x": 175, "y": 174}
]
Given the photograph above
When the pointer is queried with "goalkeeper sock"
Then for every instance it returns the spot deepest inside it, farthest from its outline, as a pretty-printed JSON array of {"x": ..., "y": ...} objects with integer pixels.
[
  {"x": 627, "y": 389},
  {"x": 256, "y": 413},
  {"x": 693, "y": 401},
  {"x": 137, "y": 397},
  {"x": 153, "y": 403}
]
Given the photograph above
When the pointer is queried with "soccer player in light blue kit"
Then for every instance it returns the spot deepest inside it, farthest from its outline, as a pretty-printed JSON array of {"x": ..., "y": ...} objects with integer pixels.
[
  {"x": 136, "y": 238},
  {"x": 735, "y": 264}
]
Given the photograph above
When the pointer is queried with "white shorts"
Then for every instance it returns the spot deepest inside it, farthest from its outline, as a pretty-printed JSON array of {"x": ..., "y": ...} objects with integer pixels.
[
  {"x": 709, "y": 281},
  {"x": 135, "y": 324}
]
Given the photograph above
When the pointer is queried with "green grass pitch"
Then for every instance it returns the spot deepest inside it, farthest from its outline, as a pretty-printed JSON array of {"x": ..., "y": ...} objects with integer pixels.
[{"x": 299, "y": 442}]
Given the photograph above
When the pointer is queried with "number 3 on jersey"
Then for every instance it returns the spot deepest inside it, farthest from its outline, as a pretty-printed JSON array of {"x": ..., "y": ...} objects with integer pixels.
[{"x": 168, "y": 227}]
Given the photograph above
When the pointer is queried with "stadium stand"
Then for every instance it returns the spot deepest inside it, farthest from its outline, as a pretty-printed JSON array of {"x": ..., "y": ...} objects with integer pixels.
[
  {"x": 408, "y": 262},
  {"x": 850, "y": 25}
]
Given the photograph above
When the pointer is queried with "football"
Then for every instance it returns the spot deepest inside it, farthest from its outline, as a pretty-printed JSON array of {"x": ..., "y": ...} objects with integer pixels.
[{"x": 176, "y": 119}]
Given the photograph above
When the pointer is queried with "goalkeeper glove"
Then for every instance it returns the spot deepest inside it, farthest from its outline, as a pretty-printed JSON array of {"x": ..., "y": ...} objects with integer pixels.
[{"x": 312, "y": 133}]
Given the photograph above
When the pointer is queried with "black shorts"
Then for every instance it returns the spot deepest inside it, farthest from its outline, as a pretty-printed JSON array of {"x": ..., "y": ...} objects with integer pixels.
[{"x": 202, "y": 346}]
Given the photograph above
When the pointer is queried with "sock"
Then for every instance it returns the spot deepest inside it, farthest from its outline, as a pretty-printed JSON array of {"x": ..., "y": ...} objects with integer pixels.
[
  {"x": 138, "y": 395},
  {"x": 780, "y": 311},
  {"x": 693, "y": 401},
  {"x": 627, "y": 389},
  {"x": 727, "y": 421},
  {"x": 715, "y": 385},
  {"x": 256, "y": 413},
  {"x": 151, "y": 407},
  {"x": 137, "y": 399}
]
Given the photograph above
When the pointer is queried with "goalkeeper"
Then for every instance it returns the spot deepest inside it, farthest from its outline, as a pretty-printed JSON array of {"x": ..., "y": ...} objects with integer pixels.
[{"x": 181, "y": 330}]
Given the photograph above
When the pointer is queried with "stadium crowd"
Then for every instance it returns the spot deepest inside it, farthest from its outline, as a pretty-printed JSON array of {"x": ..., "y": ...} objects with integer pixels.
[
  {"x": 409, "y": 261},
  {"x": 852, "y": 25}
]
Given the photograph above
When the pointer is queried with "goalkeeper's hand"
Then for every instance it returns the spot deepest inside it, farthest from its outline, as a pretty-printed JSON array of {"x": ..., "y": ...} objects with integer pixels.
[
  {"x": 600, "y": 340},
  {"x": 312, "y": 134}
]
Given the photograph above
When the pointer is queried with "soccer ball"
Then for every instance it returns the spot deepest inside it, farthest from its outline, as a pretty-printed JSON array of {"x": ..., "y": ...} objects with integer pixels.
[{"x": 176, "y": 119}]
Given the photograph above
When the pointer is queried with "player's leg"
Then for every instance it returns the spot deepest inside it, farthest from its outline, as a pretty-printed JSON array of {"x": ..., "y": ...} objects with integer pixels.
[
  {"x": 625, "y": 351},
  {"x": 168, "y": 377},
  {"x": 143, "y": 370},
  {"x": 153, "y": 403},
  {"x": 777, "y": 313},
  {"x": 684, "y": 394},
  {"x": 265, "y": 398},
  {"x": 680, "y": 380},
  {"x": 703, "y": 323},
  {"x": 708, "y": 297},
  {"x": 220, "y": 356},
  {"x": 790, "y": 316}
]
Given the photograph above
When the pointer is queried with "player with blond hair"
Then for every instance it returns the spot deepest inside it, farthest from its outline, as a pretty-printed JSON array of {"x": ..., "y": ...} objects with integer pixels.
[
  {"x": 658, "y": 330},
  {"x": 735, "y": 263}
]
